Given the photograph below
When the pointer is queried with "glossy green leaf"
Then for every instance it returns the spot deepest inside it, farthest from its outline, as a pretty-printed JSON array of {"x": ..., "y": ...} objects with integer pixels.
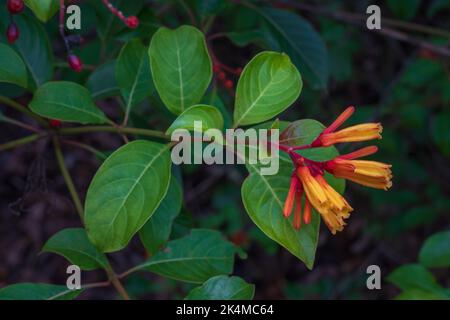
[
  {"x": 269, "y": 84},
  {"x": 43, "y": 9},
  {"x": 223, "y": 288},
  {"x": 263, "y": 197},
  {"x": 304, "y": 45},
  {"x": 37, "y": 291},
  {"x": 435, "y": 251},
  {"x": 194, "y": 258},
  {"x": 133, "y": 73},
  {"x": 302, "y": 132},
  {"x": 66, "y": 101},
  {"x": 35, "y": 49},
  {"x": 74, "y": 245},
  {"x": 125, "y": 192},
  {"x": 210, "y": 117},
  {"x": 12, "y": 68},
  {"x": 181, "y": 66},
  {"x": 156, "y": 231},
  {"x": 102, "y": 82},
  {"x": 416, "y": 277}
]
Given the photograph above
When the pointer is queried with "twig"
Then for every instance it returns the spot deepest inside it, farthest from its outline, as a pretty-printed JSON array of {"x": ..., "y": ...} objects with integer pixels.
[
  {"x": 85, "y": 147},
  {"x": 128, "y": 130},
  {"x": 117, "y": 284},
  {"x": 13, "y": 104},
  {"x": 19, "y": 124},
  {"x": 22, "y": 141},
  {"x": 398, "y": 35},
  {"x": 67, "y": 177}
]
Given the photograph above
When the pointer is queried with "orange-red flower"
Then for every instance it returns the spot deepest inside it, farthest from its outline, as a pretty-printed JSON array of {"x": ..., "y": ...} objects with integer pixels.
[
  {"x": 308, "y": 178},
  {"x": 360, "y": 132},
  {"x": 368, "y": 173},
  {"x": 328, "y": 202}
]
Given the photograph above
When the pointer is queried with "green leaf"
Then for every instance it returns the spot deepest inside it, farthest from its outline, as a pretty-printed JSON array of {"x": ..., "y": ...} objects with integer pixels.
[
  {"x": 263, "y": 198},
  {"x": 43, "y": 9},
  {"x": 415, "y": 294},
  {"x": 37, "y": 291},
  {"x": 223, "y": 288},
  {"x": 302, "y": 132},
  {"x": 34, "y": 47},
  {"x": 66, "y": 101},
  {"x": 404, "y": 9},
  {"x": 435, "y": 252},
  {"x": 181, "y": 66},
  {"x": 125, "y": 192},
  {"x": 416, "y": 277},
  {"x": 102, "y": 82},
  {"x": 304, "y": 45},
  {"x": 133, "y": 73},
  {"x": 194, "y": 258},
  {"x": 74, "y": 245},
  {"x": 209, "y": 116},
  {"x": 12, "y": 68},
  {"x": 156, "y": 231},
  {"x": 269, "y": 84}
]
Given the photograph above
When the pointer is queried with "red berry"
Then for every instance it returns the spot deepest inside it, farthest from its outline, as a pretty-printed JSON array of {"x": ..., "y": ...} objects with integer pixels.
[
  {"x": 216, "y": 68},
  {"x": 55, "y": 123},
  {"x": 75, "y": 63},
  {"x": 221, "y": 75},
  {"x": 15, "y": 6},
  {"x": 132, "y": 22},
  {"x": 228, "y": 84},
  {"x": 12, "y": 33}
]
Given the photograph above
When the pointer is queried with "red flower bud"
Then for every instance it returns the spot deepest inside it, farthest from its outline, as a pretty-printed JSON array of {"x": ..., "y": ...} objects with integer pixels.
[
  {"x": 228, "y": 84},
  {"x": 55, "y": 123},
  {"x": 216, "y": 68},
  {"x": 75, "y": 63},
  {"x": 12, "y": 33},
  {"x": 132, "y": 22},
  {"x": 221, "y": 75},
  {"x": 15, "y": 6}
]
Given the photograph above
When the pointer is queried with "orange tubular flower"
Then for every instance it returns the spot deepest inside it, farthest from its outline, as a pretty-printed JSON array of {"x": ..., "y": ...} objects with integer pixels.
[
  {"x": 360, "y": 132},
  {"x": 289, "y": 203},
  {"x": 368, "y": 173},
  {"x": 330, "y": 204}
]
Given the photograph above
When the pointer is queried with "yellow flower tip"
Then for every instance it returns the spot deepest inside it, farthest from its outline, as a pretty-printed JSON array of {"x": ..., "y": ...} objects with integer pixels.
[{"x": 360, "y": 132}]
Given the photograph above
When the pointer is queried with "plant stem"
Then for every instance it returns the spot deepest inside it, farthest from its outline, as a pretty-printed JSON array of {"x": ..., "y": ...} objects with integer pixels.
[
  {"x": 23, "y": 109},
  {"x": 21, "y": 141},
  {"x": 117, "y": 284},
  {"x": 19, "y": 124},
  {"x": 67, "y": 177},
  {"x": 137, "y": 131},
  {"x": 86, "y": 147}
]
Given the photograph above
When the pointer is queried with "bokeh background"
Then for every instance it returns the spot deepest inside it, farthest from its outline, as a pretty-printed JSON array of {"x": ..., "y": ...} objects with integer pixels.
[{"x": 405, "y": 84}]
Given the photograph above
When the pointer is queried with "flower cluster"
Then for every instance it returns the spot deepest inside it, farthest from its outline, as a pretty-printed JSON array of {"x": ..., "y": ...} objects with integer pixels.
[
  {"x": 221, "y": 70},
  {"x": 308, "y": 177},
  {"x": 14, "y": 7}
]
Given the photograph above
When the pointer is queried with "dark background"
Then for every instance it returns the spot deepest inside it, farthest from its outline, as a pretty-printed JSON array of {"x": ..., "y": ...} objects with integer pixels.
[{"x": 403, "y": 85}]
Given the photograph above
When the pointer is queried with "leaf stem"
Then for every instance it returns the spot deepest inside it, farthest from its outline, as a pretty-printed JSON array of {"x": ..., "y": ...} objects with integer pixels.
[
  {"x": 117, "y": 284},
  {"x": 67, "y": 178},
  {"x": 15, "y": 105},
  {"x": 22, "y": 141},
  {"x": 86, "y": 147}
]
